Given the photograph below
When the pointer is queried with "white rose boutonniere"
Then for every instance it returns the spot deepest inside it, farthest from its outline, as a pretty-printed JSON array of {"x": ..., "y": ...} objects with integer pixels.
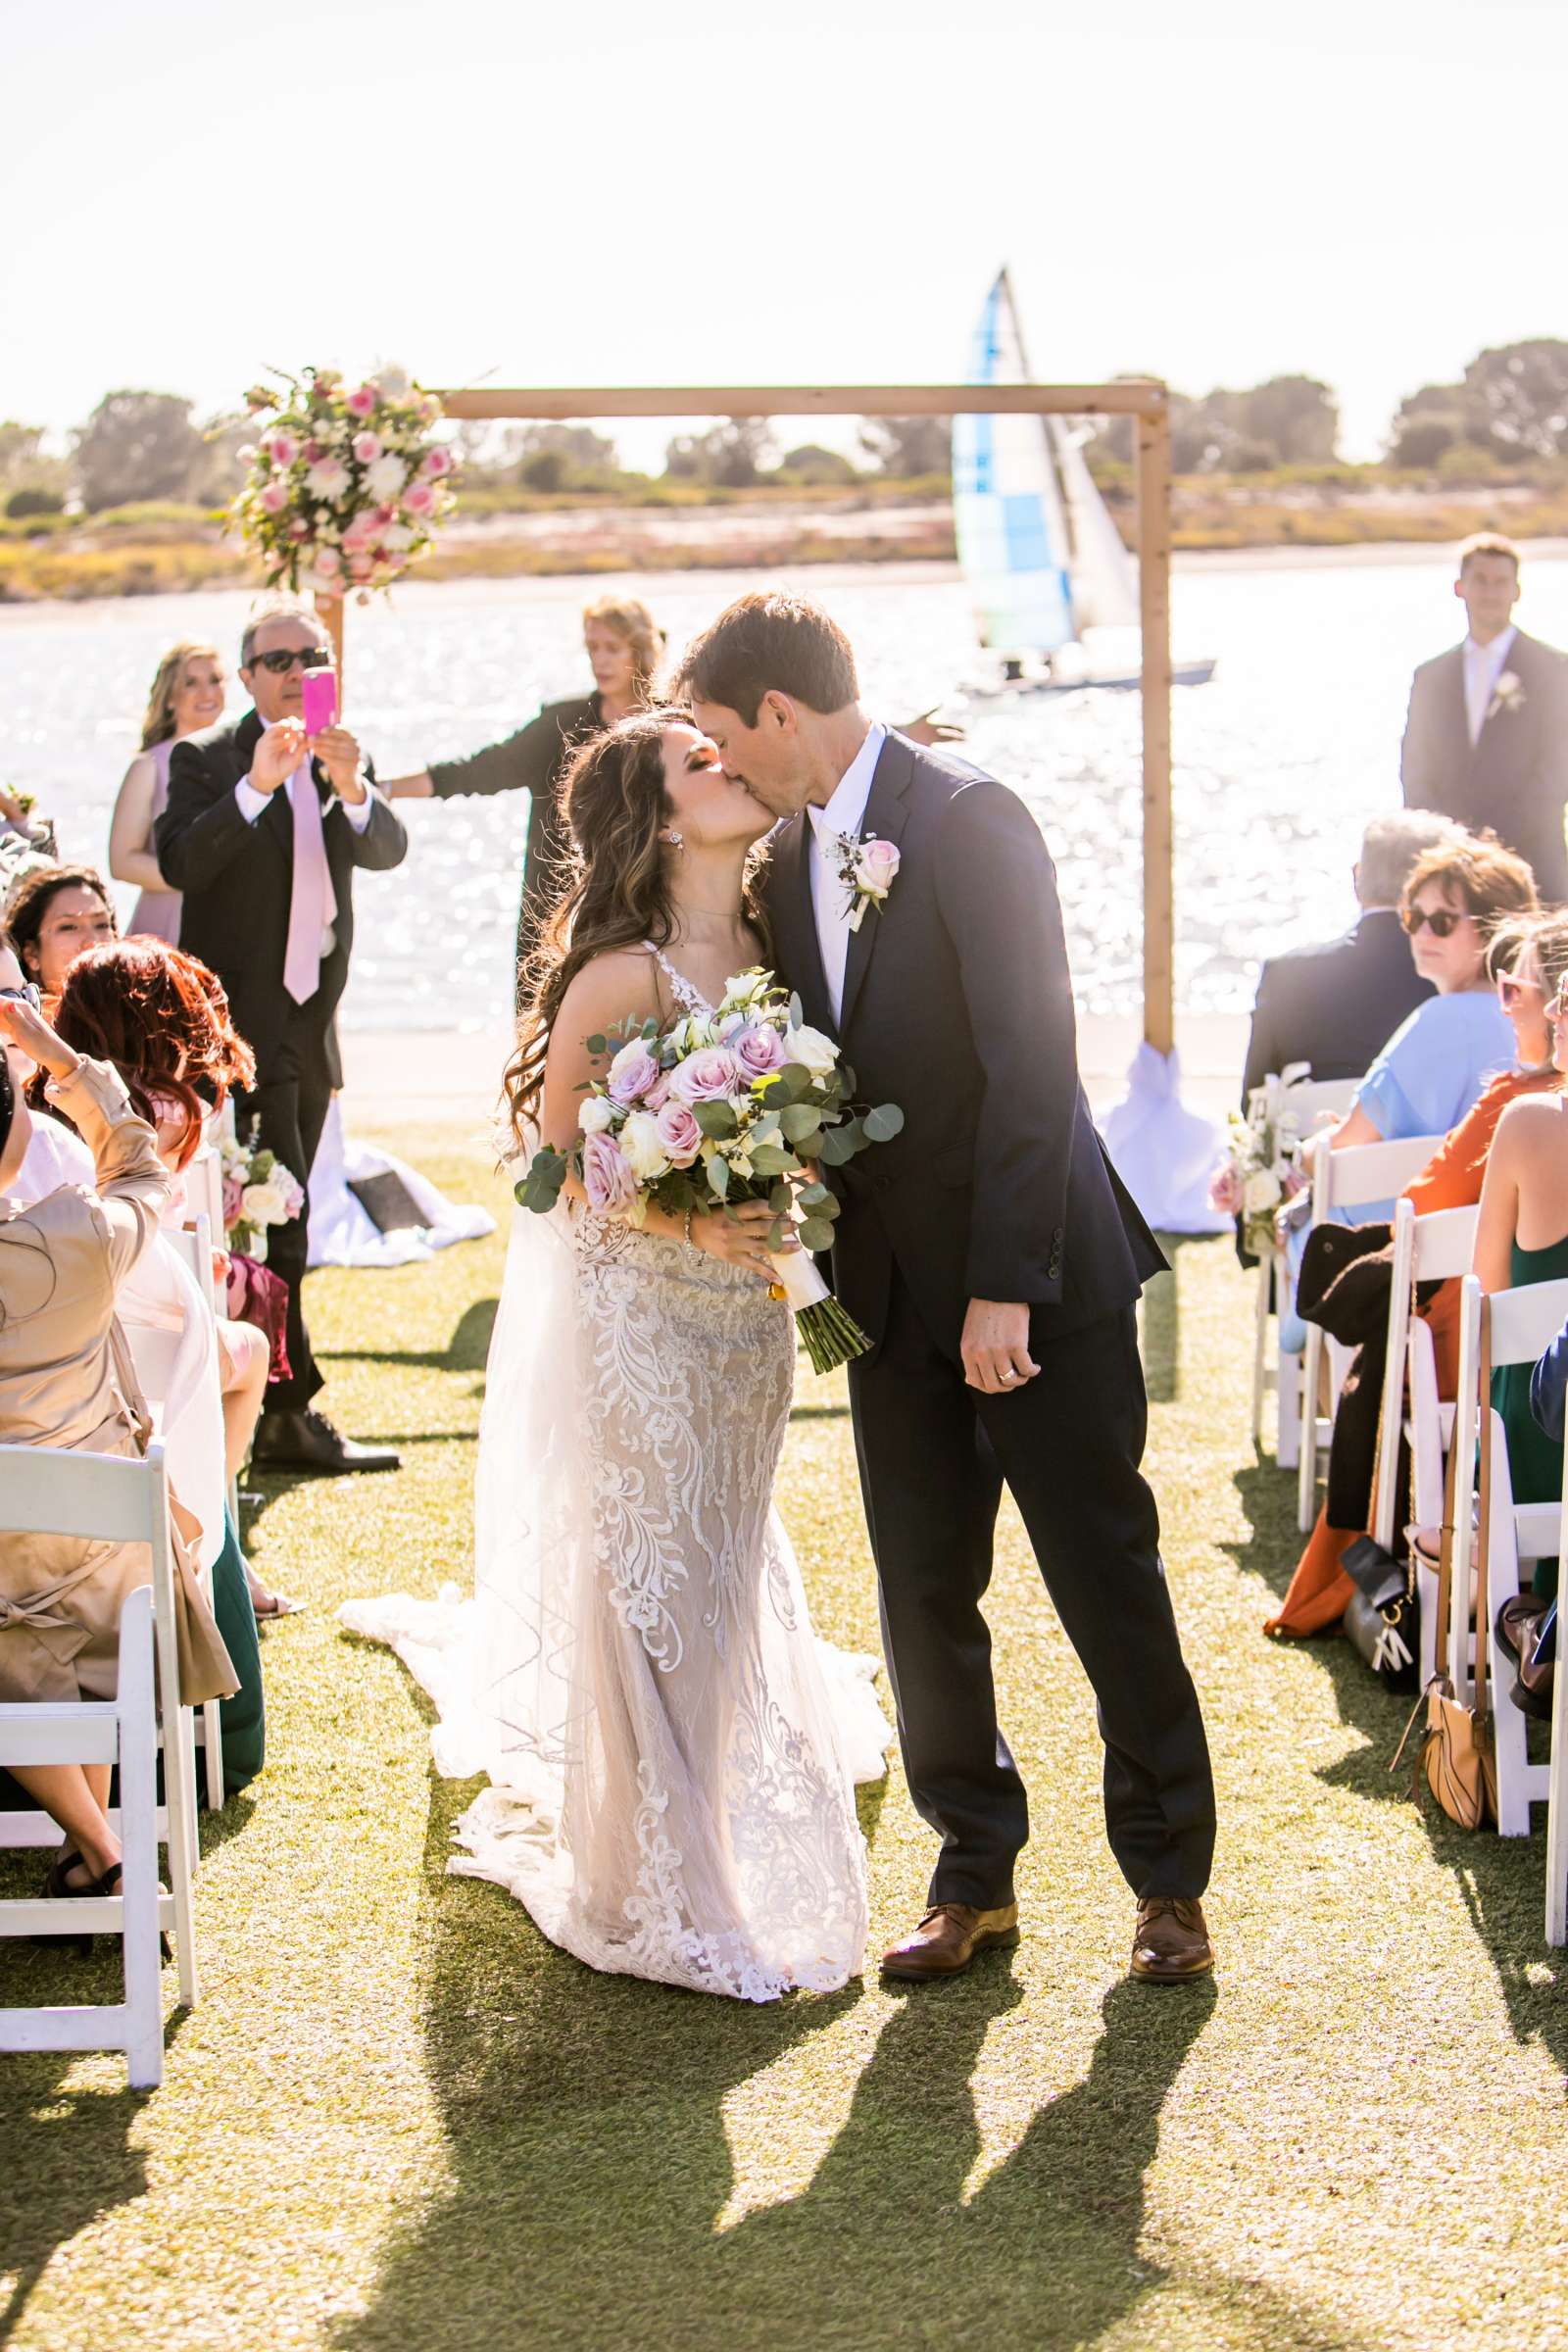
[
  {"x": 868, "y": 871},
  {"x": 1507, "y": 695}
]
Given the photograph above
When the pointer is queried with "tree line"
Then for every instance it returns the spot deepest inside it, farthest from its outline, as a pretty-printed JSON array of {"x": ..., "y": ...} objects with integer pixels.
[{"x": 1509, "y": 409}]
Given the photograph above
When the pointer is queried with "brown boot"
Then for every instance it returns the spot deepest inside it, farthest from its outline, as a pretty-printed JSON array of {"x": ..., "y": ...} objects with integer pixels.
[
  {"x": 947, "y": 1938},
  {"x": 1171, "y": 1945}
]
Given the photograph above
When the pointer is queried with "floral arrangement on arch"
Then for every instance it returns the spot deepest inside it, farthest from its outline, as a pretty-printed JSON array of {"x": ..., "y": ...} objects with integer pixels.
[{"x": 344, "y": 487}]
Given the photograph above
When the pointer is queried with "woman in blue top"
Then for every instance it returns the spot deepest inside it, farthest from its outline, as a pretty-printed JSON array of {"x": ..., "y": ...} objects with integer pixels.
[{"x": 1437, "y": 1063}]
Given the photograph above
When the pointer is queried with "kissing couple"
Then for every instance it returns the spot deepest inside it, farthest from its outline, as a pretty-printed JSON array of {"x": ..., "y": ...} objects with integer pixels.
[{"x": 671, "y": 1752}]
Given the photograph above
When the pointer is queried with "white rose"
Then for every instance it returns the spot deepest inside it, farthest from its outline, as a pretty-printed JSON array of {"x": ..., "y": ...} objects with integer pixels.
[
  {"x": 1262, "y": 1194},
  {"x": 261, "y": 1204},
  {"x": 397, "y": 535},
  {"x": 812, "y": 1049},
  {"x": 385, "y": 479},
  {"x": 329, "y": 478},
  {"x": 596, "y": 1115},
  {"x": 644, "y": 1146}
]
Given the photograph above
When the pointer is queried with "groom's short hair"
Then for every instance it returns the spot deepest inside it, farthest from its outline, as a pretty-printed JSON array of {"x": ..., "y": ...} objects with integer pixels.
[{"x": 771, "y": 643}]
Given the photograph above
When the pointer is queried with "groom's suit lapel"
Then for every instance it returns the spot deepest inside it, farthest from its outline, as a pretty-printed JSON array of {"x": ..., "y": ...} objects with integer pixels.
[{"x": 886, "y": 811}]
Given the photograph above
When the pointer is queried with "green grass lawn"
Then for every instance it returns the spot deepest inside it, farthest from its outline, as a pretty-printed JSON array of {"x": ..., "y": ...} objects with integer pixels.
[{"x": 399, "y": 2121}]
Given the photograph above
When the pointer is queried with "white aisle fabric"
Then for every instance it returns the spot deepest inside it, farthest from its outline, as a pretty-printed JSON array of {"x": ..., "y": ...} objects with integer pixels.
[
  {"x": 1163, "y": 1153},
  {"x": 671, "y": 1751},
  {"x": 342, "y": 1230}
]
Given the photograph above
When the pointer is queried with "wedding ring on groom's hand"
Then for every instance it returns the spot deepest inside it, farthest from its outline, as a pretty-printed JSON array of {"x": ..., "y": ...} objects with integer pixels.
[{"x": 1010, "y": 1374}]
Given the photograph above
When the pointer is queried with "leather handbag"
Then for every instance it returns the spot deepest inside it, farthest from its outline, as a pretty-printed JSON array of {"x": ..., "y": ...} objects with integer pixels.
[{"x": 1457, "y": 1758}]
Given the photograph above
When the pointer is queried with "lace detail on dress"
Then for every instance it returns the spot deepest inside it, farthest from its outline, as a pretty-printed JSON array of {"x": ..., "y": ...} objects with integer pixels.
[{"x": 687, "y": 995}]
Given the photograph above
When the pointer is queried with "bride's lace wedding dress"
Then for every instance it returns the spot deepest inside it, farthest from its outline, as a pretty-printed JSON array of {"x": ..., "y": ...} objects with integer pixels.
[{"x": 670, "y": 1751}]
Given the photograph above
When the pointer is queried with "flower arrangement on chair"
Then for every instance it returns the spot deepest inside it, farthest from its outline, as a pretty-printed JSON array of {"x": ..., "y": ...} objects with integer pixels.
[{"x": 345, "y": 486}]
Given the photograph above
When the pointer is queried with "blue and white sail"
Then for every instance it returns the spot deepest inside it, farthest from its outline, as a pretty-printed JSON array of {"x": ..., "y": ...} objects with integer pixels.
[{"x": 1007, "y": 510}]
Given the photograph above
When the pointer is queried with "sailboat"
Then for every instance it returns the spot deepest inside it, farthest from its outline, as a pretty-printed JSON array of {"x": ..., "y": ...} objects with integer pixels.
[{"x": 1044, "y": 561}]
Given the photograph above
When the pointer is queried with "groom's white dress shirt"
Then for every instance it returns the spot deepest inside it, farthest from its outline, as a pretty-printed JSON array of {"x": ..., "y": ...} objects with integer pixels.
[
  {"x": 840, "y": 820},
  {"x": 1484, "y": 666}
]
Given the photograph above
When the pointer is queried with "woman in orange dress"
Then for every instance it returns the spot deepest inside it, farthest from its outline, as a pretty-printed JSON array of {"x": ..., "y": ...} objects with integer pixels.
[{"x": 1527, "y": 959}]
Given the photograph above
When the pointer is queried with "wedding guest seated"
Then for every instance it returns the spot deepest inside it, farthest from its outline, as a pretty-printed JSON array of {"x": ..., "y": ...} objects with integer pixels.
[
  {"x": 161, "y": 1019},
  {"x": 1333, "y": 1005},
  {"x": 1523, "y": 1237},
  {"x": 1438, "y": 1061},
  {"x": 187, "y": 693},
  {"x": 1529, "y": 958},
  {"x": 50, "y": 916},
  {"x": 64, "y": 1385}
]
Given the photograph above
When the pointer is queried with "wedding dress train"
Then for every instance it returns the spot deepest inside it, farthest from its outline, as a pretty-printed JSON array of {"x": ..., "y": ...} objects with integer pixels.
[{"x": 671, "y": 1752}]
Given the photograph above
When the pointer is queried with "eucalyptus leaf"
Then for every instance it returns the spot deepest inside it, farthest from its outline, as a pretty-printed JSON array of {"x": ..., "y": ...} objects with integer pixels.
[
  {"x": 811, "y": 1194},
  {"x": 797, "y": 1012},
  {"x": 839, "y": 1146},
  {"x": 768, "y": 1159},
  {"x": 884, "y": 1123},
  {"x": 719, "y": 1175},
  {"x": 598, "y": 1045},
  {"x": 715, "y": 1120},
  {"x": 810, "y": 1147},
  {"x": 799, "y": 1119},
  {"x": 816, "y": 1233}
]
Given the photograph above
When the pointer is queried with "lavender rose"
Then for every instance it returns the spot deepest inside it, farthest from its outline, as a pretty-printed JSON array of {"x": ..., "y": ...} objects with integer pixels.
[
  {"x": 679, "y": 1134},
  {"x": 632, "y": 1072},
  {"x": 710, "y": 1076},
  {"x": 606, "y": 1179},
  {"x": 759, "y": 1049}
]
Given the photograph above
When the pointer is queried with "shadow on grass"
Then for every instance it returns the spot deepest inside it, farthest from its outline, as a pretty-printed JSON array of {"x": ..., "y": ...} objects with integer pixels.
[
  {"x": 466, "y": 1350},
  {"x": 1501, "y": 1879},
  {"x": 589, "y": 2169},
  {"x": 69, "y": 2160},
  {"x": 1159, "y": 1325}
]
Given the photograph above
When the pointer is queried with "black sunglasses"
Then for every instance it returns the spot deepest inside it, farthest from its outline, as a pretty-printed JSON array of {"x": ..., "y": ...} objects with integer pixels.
[
  {"x": 1440, "y": 922},
  {"x": 315, "y": 657}
]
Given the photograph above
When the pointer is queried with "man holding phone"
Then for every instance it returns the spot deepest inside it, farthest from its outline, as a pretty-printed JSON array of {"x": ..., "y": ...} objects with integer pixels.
[{"x": 268, "y": 817}]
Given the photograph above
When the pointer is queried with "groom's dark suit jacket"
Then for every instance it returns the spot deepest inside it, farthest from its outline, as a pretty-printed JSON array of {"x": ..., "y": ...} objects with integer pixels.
[
  {"x": 1515, "y": 777},
  {"x": 958, "y": 1006},
  {"x": 237, "y": 879}
]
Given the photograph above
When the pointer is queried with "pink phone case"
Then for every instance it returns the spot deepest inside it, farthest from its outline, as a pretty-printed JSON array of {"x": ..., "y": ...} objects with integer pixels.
[{"x": 319, "y": 688}]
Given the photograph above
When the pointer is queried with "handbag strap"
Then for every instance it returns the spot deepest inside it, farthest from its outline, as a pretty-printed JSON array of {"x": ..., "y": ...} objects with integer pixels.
[
  {"x": 1439, "y": 1650},
  {"x": 1484, "y": 1533}
]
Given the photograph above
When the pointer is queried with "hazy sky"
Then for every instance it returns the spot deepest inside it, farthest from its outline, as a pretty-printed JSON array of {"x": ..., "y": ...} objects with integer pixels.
[{"x": 622, "y": 194}]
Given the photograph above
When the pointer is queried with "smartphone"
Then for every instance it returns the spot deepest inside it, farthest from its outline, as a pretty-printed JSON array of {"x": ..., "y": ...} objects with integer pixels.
[{"x": 318, "y": 706}]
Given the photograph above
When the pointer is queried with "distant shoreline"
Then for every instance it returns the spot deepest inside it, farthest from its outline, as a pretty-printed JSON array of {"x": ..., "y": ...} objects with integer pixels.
[{"x": 896, "y": 570}]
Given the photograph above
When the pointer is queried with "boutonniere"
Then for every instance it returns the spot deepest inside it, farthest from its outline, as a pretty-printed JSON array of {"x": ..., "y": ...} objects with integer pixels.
[
  {"x": 868, "y": 871},
  {"x": 1507, "y": 695}
]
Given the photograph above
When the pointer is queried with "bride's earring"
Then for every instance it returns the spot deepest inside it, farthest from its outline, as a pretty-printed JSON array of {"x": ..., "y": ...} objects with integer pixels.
[{"x": 675, "y": 839}]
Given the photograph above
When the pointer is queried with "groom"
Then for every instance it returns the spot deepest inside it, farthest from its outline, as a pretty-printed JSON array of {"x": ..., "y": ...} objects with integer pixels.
[{"x": 994, "y": 1259}]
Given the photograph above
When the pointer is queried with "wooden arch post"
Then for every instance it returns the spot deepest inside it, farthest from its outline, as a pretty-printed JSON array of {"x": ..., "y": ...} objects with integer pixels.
[{"x": 1143, "y": 400}]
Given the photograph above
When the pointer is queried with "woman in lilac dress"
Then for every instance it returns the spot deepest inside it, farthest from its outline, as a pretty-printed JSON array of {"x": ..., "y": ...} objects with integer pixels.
[{"x": 187, "y": 695}]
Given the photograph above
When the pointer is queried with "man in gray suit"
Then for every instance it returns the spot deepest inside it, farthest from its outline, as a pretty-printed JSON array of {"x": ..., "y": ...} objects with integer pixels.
[{"x": 1487, "y": 739}]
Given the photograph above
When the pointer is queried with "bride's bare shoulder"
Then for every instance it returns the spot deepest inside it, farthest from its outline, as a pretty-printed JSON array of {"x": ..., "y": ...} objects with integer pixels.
[{"x": 613, "y": 987}]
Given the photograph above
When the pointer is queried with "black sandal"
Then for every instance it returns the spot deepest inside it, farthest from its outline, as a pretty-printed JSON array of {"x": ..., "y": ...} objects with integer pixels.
[
  {"x": 111, "y": 1883},
  {"x": 57, "y": 1887}
]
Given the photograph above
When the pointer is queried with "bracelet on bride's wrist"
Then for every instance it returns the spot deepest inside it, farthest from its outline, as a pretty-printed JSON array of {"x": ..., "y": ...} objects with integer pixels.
[{"x": 690, "y": 1213}]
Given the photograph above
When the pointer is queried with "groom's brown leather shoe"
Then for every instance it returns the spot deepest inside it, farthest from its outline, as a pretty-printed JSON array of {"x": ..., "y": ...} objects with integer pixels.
[
  {"x": 947, "y": 1938},
  {"x": 1172, "y": 1944}
]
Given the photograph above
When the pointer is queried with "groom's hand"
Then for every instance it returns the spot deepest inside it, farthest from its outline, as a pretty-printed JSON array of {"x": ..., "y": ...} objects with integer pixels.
[{"x": 996, "y": 1346}]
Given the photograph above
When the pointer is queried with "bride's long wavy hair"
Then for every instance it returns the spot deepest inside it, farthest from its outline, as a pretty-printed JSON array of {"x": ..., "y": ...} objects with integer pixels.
[{"x": 618, "y": 882}]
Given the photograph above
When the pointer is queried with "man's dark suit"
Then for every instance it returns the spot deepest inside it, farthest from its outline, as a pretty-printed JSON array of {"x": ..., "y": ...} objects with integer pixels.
[
  {"x": 1334, "y": 1006},
  {"x": 958, "y": 1006},
  {"x": 1515, "y": 777},
  {"x": 237, "y": 879}
]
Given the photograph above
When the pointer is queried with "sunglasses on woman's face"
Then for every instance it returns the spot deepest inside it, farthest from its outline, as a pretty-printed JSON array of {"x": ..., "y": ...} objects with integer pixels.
[
  {"x": 287, "y": 658},
  {"x": 1512, "y": 992},
  {"x": 1440, "y": 922}
]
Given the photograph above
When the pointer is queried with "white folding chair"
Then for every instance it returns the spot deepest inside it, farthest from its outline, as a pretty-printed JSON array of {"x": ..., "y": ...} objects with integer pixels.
[
  {"x": 1312, "y": 1103},
  {"x": 193, "y": 1242},
  {"x": 1431, "y": 1249},
  {"x": 107, "y": 1498},
  {"x": 67, "y": 1485},
  {"x": 1357, "y": 1178},
  {"x": 1524, "y": 1322},
  {"x": 1557, "y": 1767}
]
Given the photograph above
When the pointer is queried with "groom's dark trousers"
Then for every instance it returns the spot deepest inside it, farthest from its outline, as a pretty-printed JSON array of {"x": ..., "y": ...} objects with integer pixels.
[{"x": 958, "y": 1006}]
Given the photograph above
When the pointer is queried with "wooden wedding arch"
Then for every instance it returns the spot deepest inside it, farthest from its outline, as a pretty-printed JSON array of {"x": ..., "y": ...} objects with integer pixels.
[{"x": 1145, "y": 400}]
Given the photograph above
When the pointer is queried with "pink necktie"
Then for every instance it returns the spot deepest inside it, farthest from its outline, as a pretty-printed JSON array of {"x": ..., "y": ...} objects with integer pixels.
[{"x": 312, "y": 903}]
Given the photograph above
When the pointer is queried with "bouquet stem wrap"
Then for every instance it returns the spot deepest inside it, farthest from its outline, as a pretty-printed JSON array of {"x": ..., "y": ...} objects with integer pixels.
[{"x": 831, "y": 1336}]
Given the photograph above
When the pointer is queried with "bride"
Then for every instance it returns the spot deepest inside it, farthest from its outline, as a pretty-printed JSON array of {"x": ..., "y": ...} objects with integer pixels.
[{"x": 671, "y": 1752}]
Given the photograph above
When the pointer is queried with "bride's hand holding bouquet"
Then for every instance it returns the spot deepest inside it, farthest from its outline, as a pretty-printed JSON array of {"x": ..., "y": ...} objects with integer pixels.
[{"x": 721, "y": 1124}]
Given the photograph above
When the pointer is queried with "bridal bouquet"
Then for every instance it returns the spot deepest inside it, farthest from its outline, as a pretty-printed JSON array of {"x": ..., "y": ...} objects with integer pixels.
[
  {"x": 345, "y": 484},
  {"x": 1264, "y": 1168},
  {"x": 259, "y": 1191},
  {"x": 729, "y": 1107}
]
